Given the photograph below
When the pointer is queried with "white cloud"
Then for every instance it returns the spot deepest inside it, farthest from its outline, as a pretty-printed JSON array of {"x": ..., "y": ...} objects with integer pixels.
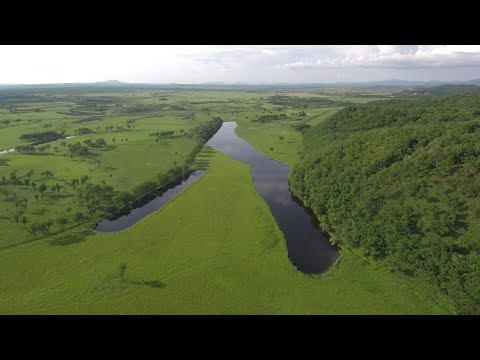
[
  {"x": 231, "y": 63},
  {"x": 391, "y": 56}
]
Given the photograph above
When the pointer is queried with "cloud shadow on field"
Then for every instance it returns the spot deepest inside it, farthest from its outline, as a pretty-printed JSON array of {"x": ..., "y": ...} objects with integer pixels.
[
  {"x": 68, "y": 239},
  {"x": 152, "y": 283},
  {"x": 202, "y": 161}
]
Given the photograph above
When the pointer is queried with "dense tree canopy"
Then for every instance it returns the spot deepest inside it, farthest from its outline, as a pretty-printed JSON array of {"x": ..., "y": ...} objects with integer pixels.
[
  {"x": 442, "y": 90},
  {"x": 41, "y": 137},
  {"x": 305, "y": 102},
  {"x": 399, "y": 180}
]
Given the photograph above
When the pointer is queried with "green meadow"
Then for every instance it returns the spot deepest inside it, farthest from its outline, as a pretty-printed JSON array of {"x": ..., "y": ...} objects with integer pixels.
[{"x": 214, "y": 249}]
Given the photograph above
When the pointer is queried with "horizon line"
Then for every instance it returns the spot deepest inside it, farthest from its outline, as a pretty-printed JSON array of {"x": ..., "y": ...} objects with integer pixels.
[{"x": 239, "y": 82}]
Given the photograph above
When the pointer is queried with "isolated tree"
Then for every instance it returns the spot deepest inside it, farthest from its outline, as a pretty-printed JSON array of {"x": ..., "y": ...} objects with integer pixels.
[
  {"x": 121, "y": 271},
  {"x": 25, "y": 202},
  {"x": 42, "y": 188},
  {"x": 281, "y": 138},
  {"x": 62, "y": 221},
  {"x": 56, "y": 188},
  {"x": 74, "y": 183},
  {"x": 79, "y": 217},
  {"x": 33, "y": 229},
  {"x": 68, "y": 210},
  {"x": 39, "y": 227},
  {"x": 271, "y": 148},
  {"x": 113, "y": 140},
  {"x": 89, "y": 143},
  {"x": 84, "y": 179},
  {"x": 48, "y": 173},
  {"x": 13, "y": 177},
  {"x": 16, "y": 217},
  {"x": 45, "y": 227},
  {"x": 100, "y": 143}
]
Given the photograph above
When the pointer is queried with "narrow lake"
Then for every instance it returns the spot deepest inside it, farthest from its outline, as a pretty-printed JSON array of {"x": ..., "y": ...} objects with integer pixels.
[
  {"x": 124, "y": 221},
  {"x": 308, "y": 248}
]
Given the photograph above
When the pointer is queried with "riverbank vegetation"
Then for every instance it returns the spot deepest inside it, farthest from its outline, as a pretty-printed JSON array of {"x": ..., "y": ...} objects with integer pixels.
[{"x": 398, "y": 181}]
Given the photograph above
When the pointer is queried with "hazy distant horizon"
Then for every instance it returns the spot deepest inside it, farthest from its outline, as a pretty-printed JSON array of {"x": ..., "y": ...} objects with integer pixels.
[
  {"x": 254, "y": 64},
  {"x": 247, "y": 83}
]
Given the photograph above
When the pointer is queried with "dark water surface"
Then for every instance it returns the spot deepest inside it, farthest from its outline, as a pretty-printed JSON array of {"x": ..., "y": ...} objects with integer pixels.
[
  {"x": 125, "y": 221},
  {"x": 308, "y": 248}
]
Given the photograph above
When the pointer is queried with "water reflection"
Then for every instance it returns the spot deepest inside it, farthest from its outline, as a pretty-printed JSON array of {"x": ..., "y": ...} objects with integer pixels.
[
  {"x": 308, "y": 248},
  {"x": 125, "y": 221}
]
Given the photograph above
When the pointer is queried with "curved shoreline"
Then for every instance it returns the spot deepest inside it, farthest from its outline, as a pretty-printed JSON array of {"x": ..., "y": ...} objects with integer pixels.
[
  {"x": 308, "y": 246},
  {"x": 146, "y": 206}
]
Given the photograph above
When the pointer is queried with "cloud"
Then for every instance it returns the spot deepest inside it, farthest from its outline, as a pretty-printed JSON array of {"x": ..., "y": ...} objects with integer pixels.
[
  {"x": 394, "y": 57},
  {"x": 232, "y": 63}
]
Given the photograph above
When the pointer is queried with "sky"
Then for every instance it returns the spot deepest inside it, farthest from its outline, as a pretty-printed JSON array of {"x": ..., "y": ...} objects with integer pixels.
[{"x": 192, "y": 64}]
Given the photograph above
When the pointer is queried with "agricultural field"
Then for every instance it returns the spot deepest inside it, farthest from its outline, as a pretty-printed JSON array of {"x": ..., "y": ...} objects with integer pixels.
[{"x": 82, "y": 156}]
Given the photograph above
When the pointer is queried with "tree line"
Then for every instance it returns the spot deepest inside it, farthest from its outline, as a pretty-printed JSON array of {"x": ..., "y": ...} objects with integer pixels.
[
  {"x": 202, "y": 133},
  {"x": 310, "y": 102},
  {"x": 41, "y": 137}
]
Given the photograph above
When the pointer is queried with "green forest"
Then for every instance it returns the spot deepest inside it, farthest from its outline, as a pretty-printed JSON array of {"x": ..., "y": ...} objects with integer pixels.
[
  {"x": 397, "y": 181},
  {"x": 442, "y": 90}
]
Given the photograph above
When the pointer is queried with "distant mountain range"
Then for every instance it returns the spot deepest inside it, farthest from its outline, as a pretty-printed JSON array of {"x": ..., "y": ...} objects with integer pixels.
[
  {"x": 441, "y": 90},
  {"x": 116, "y": 83}
]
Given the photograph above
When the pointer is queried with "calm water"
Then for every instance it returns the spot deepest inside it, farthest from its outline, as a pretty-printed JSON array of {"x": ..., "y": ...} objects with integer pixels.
[
  {"x": 125, "y": 221},
  {"x": 308, "y": 248}
]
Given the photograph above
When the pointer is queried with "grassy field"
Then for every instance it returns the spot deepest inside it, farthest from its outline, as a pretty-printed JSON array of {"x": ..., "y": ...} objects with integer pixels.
[
  {"x": 214, "y": 249},
  {"x": 266, "y": 136},
  {"x": 133, "y": 158}
]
